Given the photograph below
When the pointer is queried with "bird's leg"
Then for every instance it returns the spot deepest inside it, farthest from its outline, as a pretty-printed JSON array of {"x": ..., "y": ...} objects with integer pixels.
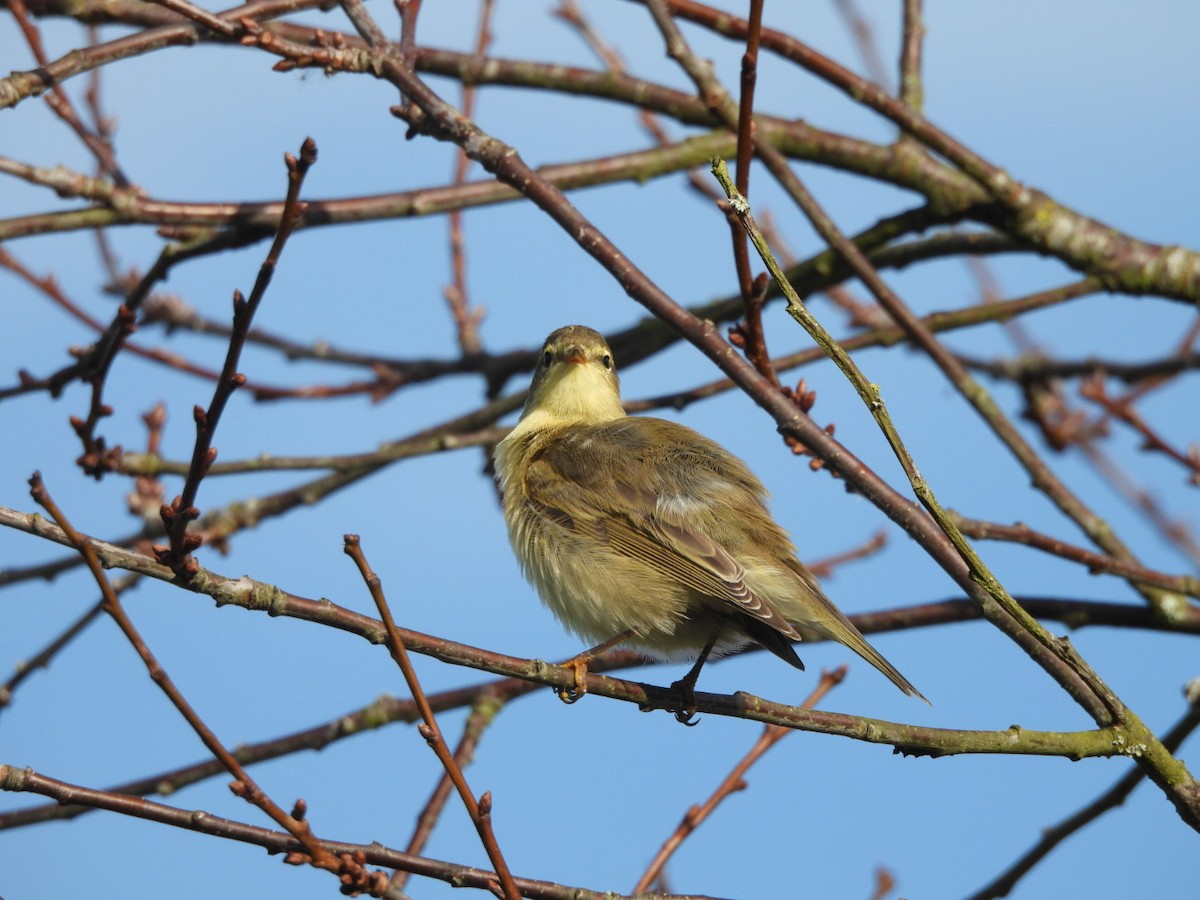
[
  {"x": 580, "y": 662},
  {"x": 687, "y": 684}
]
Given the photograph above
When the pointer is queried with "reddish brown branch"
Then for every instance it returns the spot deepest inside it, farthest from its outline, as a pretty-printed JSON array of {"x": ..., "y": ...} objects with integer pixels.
[
  {"x": 57, "y": 100},
  {"x": 1096, "y": 562},
  {"x": 751, "y": 298},
  {"x": 365, "y": 24},
  {"x": 823, "y": 568},
  {"x": 243, "y": 785},
  {"x": 486, "y": 705},
  {"x": 466, "y": 319},
  {"x": 179, "y": 514},
  {"x": 735, "y": 781},
  {"x": 26, "y": 780},
  {"x": 739, "y": 119},
  {"x": 479, "y": 810},
  {"x": 1122, "y": 409},
  {"x": 1176, "y": 531}
]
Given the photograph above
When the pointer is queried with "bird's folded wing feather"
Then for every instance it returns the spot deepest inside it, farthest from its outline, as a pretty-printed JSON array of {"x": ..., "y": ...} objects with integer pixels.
[{"x": 642, "y": 489}]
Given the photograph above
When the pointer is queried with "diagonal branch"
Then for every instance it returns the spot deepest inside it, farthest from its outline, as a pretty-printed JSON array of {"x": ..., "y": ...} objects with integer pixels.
[
  {"x": 243, "y": 786},
  {"x": 479, "y": 810},
  {"x": 1059, "y": 658}
]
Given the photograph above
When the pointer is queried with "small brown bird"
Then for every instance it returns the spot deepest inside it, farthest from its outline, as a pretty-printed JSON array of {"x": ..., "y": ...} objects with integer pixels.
[{"x": 643, "y": 531}]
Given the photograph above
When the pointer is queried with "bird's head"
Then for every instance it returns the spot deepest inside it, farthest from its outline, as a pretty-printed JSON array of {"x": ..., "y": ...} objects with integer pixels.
[{"x": 576, "y": 379}]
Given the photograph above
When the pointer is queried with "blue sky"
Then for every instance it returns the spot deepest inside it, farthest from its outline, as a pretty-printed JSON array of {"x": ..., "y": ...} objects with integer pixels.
[{"x": 1092, "y": 102}]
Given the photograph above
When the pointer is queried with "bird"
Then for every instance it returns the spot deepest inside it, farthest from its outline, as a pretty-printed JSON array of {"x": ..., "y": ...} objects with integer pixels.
[{"x": 641, "y": 531}]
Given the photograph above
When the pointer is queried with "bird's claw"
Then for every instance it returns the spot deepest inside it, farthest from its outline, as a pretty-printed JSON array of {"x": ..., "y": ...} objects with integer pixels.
[
  {"x": 579, "y": 665},
  {"x": 570, "y": 695},
  {"x": 687, "y": 717},
  {"x": 686, "y": 713}
]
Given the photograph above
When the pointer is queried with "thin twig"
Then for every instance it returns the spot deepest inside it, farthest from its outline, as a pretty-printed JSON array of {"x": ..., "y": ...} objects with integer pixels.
[
  {"x": 1093, "y": 389},
  {"x": 1095, "y": 562},
  {"x": 486, "y": 705},
  {"x": 365, "y": 24},
  {"x": 1058, "y": 658},
  {"x": 1176, "y": 531},
  {"x": 178, "y": 514},
  {"x": 466, "y": 319},
  {"x": 13, "y": 778},
  {"x": 912, "y": 87},
  {"x": 43, "y": 658},
  {"x": 824, "y": 568},
  {"x": 57, "y": 100},
  {"x": 735, "y": 781},
  {"x": 200, "y": 16},
  {"x": 864, "y": 39},
  {"x": 479, "y": 810},
  {"x": 749, "y": 334},
  {"x": 243, "y": 786},
  {"x": 1112, "y": 798}
]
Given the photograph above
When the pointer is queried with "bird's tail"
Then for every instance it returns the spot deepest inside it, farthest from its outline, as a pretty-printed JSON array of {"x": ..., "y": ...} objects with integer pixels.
[
  {"x": 852, "y": 638},
  {"x": 829, "y": 621}
]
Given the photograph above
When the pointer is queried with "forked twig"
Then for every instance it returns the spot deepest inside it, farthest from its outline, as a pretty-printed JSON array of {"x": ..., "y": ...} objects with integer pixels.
[
  {"x": 349, "y": 870},
  {"x": 181, "y": 512}
]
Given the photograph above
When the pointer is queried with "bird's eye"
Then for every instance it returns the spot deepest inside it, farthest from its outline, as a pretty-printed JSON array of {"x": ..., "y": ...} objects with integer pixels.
[
  {"x": 606, "y": 360},
  {"x": 547, "y": 358}
]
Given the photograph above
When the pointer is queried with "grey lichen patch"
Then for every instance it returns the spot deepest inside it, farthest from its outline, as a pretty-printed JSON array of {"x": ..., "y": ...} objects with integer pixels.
[
  {"x": 257, "y": 595},
  {"x": 1173, "y": 607},
  {"x": 373, "y": 716},
  {"x": 12, "y": 778},
  {"x": 1123, "y": 748}
]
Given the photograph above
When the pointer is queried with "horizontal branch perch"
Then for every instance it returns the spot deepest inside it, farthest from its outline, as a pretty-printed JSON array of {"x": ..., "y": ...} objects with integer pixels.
[
  {"x": 907, "y": 739},
  {"x": 14, "y": 778}
]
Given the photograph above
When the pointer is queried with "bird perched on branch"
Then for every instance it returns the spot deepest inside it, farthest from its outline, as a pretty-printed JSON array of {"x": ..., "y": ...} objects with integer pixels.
[{"x": 643, "y": 531}]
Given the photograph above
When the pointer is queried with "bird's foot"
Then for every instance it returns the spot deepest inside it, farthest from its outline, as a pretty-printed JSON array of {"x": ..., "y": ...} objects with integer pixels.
[
  {"x": 578, "y": 664},
  {"x": 686, "y": 713}
]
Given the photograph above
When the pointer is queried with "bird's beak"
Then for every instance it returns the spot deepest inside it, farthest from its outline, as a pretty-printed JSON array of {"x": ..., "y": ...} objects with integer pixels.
[{"x": 574, "y": 354}]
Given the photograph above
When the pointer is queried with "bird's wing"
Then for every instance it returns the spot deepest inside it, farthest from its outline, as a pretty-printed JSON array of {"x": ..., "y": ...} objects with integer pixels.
[{"x": 654, "y": 490}]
